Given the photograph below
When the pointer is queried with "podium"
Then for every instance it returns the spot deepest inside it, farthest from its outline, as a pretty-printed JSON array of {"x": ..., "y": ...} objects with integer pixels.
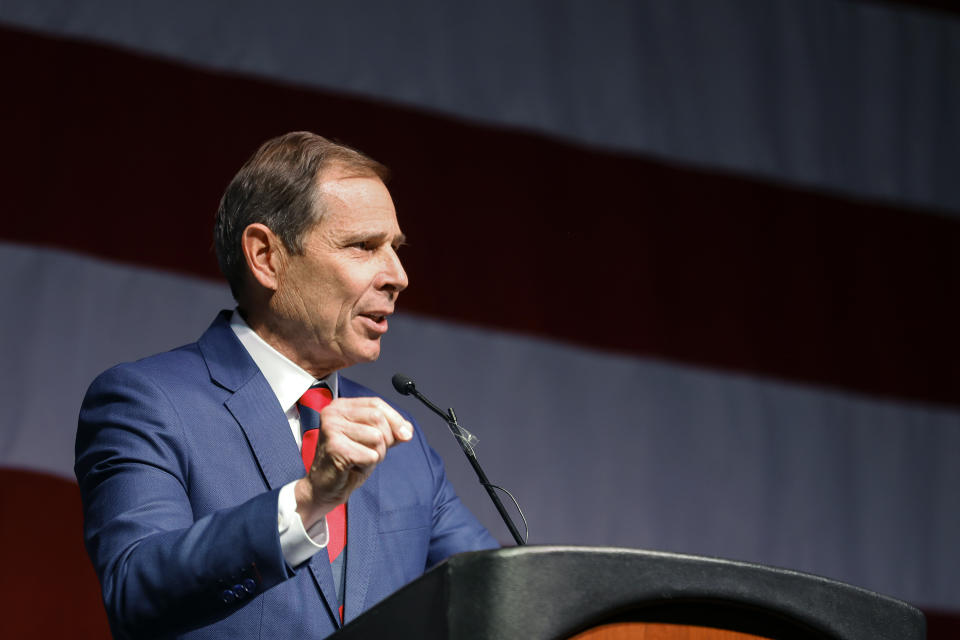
[{"x": 544, "y": 592}]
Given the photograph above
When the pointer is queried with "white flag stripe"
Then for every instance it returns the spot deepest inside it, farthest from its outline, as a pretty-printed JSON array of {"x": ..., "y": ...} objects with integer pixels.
[
  {"x": 857, "y": 97},
  {"x": 68, "y": 318},
  {"x": 600, "y": 449}
]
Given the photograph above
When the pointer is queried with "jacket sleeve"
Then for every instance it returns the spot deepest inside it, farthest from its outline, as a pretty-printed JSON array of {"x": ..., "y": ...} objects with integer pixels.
[{"x": 162, "y": 570}]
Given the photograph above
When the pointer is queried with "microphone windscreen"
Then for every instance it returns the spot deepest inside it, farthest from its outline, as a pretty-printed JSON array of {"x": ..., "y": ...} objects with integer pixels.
[{"x": 403, "y": 384}]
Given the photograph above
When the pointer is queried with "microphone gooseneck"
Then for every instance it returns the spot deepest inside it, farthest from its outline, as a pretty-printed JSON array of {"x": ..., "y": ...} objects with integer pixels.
[{"x": 405, "y": 386}]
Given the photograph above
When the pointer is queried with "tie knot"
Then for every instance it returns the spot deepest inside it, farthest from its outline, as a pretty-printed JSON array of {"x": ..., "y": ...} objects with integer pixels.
[{"x": 316, "y": 397}]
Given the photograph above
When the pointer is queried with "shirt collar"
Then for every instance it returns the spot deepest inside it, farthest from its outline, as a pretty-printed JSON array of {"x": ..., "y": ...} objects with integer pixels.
[{"x": 285, "y": 377}]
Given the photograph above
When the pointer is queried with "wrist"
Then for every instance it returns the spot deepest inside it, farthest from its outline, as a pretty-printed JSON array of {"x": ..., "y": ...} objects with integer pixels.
[{"x": 310, "y": 510}]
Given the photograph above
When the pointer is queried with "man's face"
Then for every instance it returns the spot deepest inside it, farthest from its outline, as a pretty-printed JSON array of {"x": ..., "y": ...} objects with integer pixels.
[{"x": 335, "y": 298}]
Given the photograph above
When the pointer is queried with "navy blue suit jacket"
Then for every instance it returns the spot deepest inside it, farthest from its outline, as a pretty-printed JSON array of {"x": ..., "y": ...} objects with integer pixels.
[{"x": 180, "y": 458}]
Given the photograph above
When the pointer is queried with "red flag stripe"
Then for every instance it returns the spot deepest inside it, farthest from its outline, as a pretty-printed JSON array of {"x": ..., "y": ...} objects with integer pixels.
[{"x": 506, "y": 230}]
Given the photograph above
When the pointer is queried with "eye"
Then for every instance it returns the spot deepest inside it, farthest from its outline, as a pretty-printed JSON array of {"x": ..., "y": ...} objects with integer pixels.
[{"x": 363, "y": 245}]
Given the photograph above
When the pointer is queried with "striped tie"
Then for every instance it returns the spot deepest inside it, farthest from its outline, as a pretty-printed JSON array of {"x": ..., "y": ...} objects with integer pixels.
[{"x": 310, "y": 405}]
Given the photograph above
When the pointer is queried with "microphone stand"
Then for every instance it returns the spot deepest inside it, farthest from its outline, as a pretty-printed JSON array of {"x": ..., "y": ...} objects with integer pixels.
[{"x": 463, "y": 438}]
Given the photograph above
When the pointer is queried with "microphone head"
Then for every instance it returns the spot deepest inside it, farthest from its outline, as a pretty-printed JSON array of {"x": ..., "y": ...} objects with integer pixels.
[{"x": 403, "y": 384}]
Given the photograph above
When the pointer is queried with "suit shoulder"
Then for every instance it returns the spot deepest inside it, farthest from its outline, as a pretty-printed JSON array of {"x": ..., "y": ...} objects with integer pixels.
[
  {"x": 184, "y": 362},
  {"x": 190, "y": 363}
]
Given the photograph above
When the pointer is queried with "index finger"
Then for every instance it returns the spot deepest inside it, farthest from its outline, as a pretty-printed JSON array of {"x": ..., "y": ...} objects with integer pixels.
[{"x": 401, "y": 427}]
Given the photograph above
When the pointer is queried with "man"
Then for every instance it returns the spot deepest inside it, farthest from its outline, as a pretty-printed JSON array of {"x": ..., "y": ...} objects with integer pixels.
[{"x": 203, "y": 516}]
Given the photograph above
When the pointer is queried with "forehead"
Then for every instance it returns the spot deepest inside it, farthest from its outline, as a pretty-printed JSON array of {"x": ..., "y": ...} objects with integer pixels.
[{"x": 354, "y": 201}]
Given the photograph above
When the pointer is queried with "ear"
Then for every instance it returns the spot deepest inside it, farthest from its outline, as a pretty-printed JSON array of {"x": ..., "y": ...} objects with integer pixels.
[{"x": 264, "y": 253}]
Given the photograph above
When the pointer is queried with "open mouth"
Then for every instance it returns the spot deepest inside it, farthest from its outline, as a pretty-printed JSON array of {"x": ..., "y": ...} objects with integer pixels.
[{"x": 375, "y": 322}]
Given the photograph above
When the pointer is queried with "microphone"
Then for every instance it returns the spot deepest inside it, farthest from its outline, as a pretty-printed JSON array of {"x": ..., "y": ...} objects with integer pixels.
[{"x": 405, "y": 386}]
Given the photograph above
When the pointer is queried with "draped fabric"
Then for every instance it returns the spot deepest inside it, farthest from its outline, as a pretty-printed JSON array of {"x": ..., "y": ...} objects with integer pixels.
[{"x": 689, "y": 270}]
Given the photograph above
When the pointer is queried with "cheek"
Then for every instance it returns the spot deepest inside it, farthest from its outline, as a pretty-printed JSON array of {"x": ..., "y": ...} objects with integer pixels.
[
  {"x": 352, "y": 292},
  {"x": 340, "y": 304},
  {"x": 289, "y": 302}
]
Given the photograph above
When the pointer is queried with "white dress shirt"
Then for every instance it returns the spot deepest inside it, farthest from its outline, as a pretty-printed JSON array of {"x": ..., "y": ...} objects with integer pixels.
[{"x": 288, "y": 382}]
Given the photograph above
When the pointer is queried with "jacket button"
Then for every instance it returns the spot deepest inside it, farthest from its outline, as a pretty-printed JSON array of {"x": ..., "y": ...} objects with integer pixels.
[
  {"x": 239, "y": 591},
  {"x": 228, "y": 596},
  {"x": 249, "y": 585}
]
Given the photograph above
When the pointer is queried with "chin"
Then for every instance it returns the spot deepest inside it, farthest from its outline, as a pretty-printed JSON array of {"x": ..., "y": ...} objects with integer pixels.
[{"x": 366, "y": 354}]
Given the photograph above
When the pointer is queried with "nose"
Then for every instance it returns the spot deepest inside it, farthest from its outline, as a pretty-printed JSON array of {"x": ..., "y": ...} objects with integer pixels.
[{"x": 395, "y": 277}]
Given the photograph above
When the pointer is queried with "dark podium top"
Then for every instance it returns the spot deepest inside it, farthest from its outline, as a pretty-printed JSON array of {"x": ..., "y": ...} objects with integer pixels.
[{"x": 556, "y": 592}]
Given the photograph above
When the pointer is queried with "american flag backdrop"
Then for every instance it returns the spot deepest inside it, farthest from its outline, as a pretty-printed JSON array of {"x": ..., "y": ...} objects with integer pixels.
[{"x": 689, "y": 269}]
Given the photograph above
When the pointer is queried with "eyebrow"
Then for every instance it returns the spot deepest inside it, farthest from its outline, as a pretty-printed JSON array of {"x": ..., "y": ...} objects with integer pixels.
[{"x": 398, "y": 240}]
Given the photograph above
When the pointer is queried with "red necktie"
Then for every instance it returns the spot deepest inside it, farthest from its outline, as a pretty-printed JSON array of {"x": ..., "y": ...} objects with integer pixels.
[{"x": 310, "y": 405}]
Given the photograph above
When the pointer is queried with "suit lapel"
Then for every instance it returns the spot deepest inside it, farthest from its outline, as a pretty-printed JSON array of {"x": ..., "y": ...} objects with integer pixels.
[
  {"x": 363, "y": 522},
  {"x": 263, "y": 423},
  {"x": 252, "y": 403},
  {"x": 323, "y": 577},
  {"x": 255, "y": 408},
  {"x": 281, "y": 464},
  {"x": 363, "y": 511}
]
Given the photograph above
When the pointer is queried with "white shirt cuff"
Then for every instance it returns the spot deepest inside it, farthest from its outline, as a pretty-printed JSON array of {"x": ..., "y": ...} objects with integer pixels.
[{"x": 297, "y": 544}]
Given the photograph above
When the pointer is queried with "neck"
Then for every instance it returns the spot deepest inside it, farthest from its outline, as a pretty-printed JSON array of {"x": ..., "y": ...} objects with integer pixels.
[{"x": 277, "y": 333}]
